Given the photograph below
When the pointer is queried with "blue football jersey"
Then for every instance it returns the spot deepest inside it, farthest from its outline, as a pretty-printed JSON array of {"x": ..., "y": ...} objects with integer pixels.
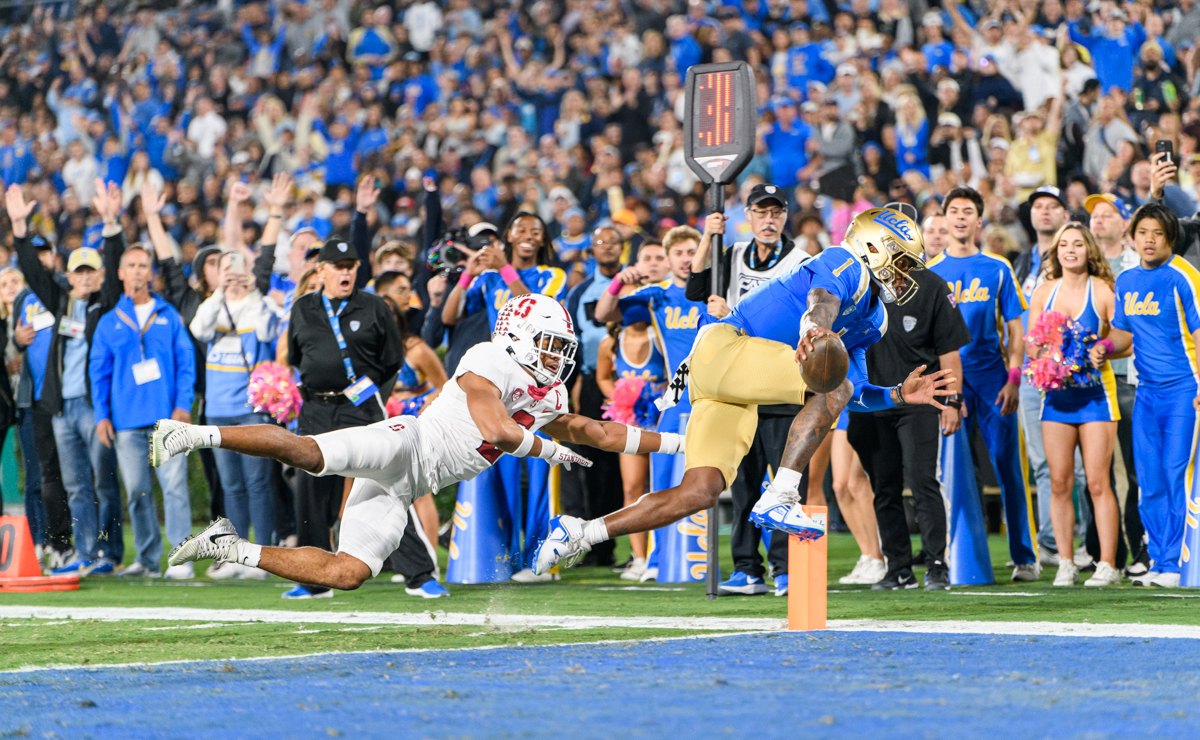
[
  {"x": 489, "y": 291},
  {"x": 676, "y": 319},
  {"x": 1161, "y": 308},
  {"x": 986, "y": 293}
]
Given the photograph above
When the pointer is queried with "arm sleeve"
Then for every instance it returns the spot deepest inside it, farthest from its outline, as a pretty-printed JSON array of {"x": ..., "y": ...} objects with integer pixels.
[
  {"x": 114, "y": 247},
  {"x": 39, "y": 279},
  {"x": 360, "y": 239},
  {"x": 433, "y": 331},
  {"x": 699, "y": 285},
  {"x": 264, "y": 265},
  {"x": 866, "y": 397},
  {"x": 1086, "y": 41},
  {"x": 294, "y": 353},
  {"x": 185, "y": 368},
  {"x": 100, "y": 369}
]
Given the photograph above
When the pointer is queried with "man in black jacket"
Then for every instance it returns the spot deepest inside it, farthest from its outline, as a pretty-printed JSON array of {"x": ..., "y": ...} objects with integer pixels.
[{"x": 66, "y": 388}]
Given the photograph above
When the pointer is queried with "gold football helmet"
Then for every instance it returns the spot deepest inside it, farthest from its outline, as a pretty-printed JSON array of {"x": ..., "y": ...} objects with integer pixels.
[{"x": 890, "y": 245}]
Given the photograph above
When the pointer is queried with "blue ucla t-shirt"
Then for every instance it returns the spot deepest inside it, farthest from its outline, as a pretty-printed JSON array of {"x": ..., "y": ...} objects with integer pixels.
[
  {"x": 676, "y": 319},
  {"x": 489, "y": 291},
  {"x": 1161, "y": 308},
  {"x": 986, "y": 293}
]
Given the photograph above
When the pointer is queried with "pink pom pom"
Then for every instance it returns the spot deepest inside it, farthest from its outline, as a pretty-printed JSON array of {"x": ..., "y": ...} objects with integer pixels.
[
  {"x": 272, "y": 390},
  {"x": 395, "y": 407},
  {"x": 625, "y": 398}
]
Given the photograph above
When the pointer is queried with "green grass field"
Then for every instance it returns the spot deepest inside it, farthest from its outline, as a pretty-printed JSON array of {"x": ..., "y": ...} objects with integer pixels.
[{"x": 582, "y": 591}]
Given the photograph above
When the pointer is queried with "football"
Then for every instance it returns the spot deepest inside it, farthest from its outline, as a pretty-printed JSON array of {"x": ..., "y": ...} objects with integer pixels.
[{"x": 826, "y": 366}]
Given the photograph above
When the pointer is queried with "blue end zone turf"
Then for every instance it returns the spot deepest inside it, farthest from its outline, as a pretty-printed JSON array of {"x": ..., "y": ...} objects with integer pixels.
[{"x": 823, "y": 685}]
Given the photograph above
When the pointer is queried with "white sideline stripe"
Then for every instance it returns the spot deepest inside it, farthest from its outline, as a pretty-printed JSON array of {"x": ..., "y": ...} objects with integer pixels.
[
  {"x": 1033, "y": 629},
  {"x": 530, "y": 621},
  {"x": 422, "y": 619}
]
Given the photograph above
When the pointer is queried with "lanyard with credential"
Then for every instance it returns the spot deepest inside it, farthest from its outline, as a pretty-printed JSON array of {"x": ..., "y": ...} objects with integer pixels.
[
  {"x": 133, "y": 325},
  {"x": 336, "y": 325}
]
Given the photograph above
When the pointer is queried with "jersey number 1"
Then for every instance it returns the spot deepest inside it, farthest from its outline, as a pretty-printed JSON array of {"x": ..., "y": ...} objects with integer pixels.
[{"x": 491, "y": 452}]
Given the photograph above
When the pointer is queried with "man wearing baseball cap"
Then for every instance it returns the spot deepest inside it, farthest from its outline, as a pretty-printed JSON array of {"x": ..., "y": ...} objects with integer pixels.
[
  {"x": 746, "y": 265},
  {"x": 347, "y": 347},
  {"x": 65, "y": 403},
  {"x": 1109, "y": 224}
]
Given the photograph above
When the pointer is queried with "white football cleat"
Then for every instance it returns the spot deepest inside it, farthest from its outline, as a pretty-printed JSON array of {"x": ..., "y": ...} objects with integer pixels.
[
  {"x": 217, "y": 542},
  {"x": 780, "y": 510},
  {"x": 171, "y": 438},
  {"x": 1166, "y": 580},
  {"x": 563, "y": 544}
]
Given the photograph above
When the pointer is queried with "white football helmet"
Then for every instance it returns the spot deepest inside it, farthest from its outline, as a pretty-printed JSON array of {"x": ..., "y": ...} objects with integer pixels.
[{"x": 537, "y": 331}]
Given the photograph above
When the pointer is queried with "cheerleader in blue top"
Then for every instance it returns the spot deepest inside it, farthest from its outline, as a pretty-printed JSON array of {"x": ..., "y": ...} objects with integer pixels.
[
  {"x": 1079, "y": 284},
  {"x": 631, "y": 352}
]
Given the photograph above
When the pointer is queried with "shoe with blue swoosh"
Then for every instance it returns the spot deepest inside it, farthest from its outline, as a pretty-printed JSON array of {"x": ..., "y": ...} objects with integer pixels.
[
  {"x": 563, "y": 544},
  {"x": 217, "y": 542},
  {"x": 780, "y": 510}
]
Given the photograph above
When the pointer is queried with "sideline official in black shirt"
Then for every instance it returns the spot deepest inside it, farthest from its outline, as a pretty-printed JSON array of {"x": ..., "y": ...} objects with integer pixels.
[
  {"x": 374, "y": 350},
  {"x": 902, "y": 443}
]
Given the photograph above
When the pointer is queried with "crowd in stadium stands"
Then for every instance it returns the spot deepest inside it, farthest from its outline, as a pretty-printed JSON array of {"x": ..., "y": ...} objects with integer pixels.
[{"x": 142, "y": 143}]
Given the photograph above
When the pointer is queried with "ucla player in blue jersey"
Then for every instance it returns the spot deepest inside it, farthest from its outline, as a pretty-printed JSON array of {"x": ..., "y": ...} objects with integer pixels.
[
  {"x": 750, "y": 358},
  {"x": 675, "y": 319},
  {"x": 986, "y": 293},
  {"x": 1157, "y": 314},
  {"x": 492, "y": 276},
  {"x": 1079, "y": 285}
]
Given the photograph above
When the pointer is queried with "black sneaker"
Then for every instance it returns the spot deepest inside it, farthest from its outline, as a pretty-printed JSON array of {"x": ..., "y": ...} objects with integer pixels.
[
  {"x": 937, "y": 577},
  {"x": 896, "y": 581},
  {"x": 622, "y": 567}
]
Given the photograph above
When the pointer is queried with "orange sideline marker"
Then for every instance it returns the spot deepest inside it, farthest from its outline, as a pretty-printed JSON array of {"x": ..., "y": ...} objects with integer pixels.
[
  {"x": 808, "y": 577},
  {"x": 19, "y": 568}
]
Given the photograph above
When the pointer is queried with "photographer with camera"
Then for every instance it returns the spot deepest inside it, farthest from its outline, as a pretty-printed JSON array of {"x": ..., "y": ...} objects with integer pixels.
[{"x": 446, "y": 259}]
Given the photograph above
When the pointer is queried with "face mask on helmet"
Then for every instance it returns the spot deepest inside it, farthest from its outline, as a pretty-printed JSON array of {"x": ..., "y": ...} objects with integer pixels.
[
  {"x": 536, "y": 331},
  {"x": 891, "y": 247}
]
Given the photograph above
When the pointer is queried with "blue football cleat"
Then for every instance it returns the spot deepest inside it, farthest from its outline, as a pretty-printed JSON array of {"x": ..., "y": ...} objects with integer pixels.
[
  {"x": 430, "y": 589},
  {"x": 102, "y": 568},
  {"x": 81, "y": 567},
  {"x": 781, "y": 511},
  {"x": 303, "y": 592},
  {"x": 741, "y": 584},
  {"x": 563, "y": 544},
  {"x": 781, "y": 584}
]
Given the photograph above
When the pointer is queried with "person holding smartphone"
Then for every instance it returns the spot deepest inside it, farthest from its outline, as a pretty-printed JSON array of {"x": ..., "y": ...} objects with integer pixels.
[
  {"x": 1164, "y": 191},
  {"x": 239, "y": 327}
]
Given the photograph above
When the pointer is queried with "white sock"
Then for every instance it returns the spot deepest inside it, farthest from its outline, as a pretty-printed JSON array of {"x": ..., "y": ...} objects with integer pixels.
[
  {"x": 786, "y": 479},
  {"x": 595, "y": 531},
  {"x": 246, "y": 553},
  {"x": 210, "y": 436}
]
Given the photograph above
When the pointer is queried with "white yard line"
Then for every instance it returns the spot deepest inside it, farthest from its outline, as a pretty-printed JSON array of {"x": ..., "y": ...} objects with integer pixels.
[
  {"x": 533, "y": 621},
  {"x": 422, "y": 619}
]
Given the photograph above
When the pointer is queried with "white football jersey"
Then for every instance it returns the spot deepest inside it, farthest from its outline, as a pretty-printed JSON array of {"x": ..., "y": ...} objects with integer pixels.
[{"x": 453, "y": 448}]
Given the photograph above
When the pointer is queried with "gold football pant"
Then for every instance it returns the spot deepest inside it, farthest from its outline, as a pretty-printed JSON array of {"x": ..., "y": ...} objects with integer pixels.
[{"x": 731, "y": 375}]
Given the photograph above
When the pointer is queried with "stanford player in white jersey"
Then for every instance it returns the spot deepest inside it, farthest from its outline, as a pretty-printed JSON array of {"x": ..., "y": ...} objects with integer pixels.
[{"x": 503, "y": 392}]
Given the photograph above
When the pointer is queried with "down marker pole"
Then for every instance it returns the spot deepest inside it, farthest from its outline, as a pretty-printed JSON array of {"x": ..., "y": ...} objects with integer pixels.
[{"x": 808, "y": 577}]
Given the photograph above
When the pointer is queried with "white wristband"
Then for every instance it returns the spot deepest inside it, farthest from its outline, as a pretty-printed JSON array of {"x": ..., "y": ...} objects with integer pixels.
[
  {"x": 633, "y": 440},
  {"x": 526, "y": 444},
  {"x": 671, "y": 443},
  {"x": 549, "y": 448}
]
